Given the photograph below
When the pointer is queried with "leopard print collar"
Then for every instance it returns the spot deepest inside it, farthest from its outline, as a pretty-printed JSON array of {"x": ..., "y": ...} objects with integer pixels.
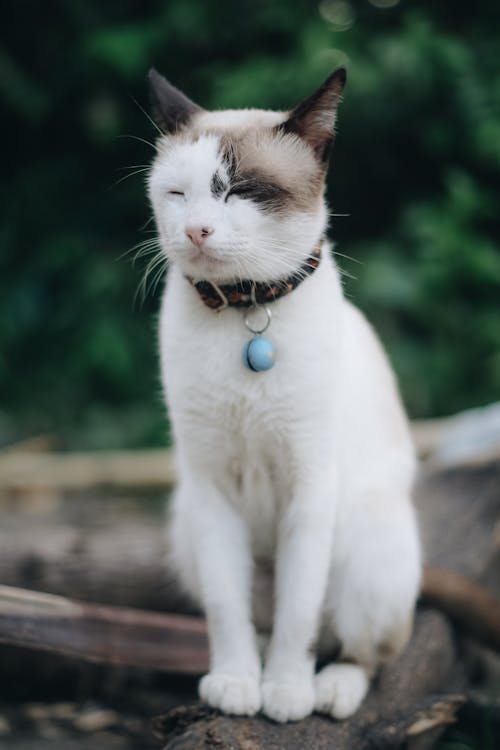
[{"x": 249, "y": 293}]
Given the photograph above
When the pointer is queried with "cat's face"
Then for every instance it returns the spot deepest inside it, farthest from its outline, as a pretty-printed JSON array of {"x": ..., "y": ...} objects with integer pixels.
[{"x": 238, "y": 194}]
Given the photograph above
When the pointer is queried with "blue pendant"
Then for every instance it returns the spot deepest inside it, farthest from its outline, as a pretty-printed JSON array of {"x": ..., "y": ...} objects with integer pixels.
[{"x": 259, "y": 354}]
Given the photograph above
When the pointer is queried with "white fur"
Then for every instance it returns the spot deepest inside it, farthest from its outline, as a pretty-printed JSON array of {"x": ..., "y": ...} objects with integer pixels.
[
  {"x": 339, "y": 689},
  {"x": 308, "y": 465}
]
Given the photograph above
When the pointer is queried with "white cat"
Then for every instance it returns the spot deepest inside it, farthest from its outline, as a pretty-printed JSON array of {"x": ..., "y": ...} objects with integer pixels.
[{"x": 298, "y": 476}]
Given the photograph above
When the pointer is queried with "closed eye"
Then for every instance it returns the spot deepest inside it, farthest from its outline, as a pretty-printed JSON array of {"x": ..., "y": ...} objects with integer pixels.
[
  {"x": 175, "y": 192},
  {"x": 242, "y": 191},
  {"x": 267, "y": 194}
]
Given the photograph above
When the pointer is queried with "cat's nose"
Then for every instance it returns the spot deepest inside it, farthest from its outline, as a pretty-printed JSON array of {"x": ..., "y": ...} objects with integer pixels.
[{"x": 198, "y": 235}]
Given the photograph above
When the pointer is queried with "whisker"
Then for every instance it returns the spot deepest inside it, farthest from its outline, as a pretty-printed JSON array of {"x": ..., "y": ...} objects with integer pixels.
[
  {"x": 150, "y": 251},
  {"x": 143, "y": 284},
  {"x": 144, "y": 248},
  {"x": 348, "y": 257},
  {"x": 126, "y": 176},
  {"x": 148, "y": 116},
  {"x": 133, "y": 166},
  {"x": 138, "y": 138},
  {"x": 159, "y": 276},
  {"x": 349, "y": 275}
]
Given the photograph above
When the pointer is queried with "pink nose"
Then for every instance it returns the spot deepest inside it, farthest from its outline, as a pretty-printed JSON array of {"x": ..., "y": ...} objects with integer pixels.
[{"x": 198, "y": 235}]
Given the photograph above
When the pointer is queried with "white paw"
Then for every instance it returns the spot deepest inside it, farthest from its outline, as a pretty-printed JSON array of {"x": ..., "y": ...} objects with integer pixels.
[
  {"x": 340, "y": 689},
  {"x": 287, "y": 701},
  {"x": 231, "y": 694}
]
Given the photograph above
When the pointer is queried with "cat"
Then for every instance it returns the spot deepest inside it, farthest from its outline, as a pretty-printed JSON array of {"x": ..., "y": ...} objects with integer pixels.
[{"x": 293, "y": 512}]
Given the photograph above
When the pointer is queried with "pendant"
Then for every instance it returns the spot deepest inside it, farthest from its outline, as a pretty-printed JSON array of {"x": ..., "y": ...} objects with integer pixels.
[{"x": 259, "y": 353}]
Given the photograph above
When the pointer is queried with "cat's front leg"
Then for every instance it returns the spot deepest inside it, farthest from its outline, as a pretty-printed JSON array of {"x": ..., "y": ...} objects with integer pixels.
[
  {"x": 219, "y": 550},
  {"x": 302, "y": 564}
]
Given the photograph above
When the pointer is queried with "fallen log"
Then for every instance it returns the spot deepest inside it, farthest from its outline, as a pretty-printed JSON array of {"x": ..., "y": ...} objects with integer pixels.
[
  {"x": 411, "y": 699},
  {"x": 93, "y": 547},
  {"x": 201, "y": 727},
  {"x": 96, "y": 633},
  {"x": 411, "y": 702}
]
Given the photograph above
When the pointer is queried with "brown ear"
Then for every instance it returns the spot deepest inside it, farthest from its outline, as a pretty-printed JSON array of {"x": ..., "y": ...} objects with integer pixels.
[
  {"x": 171, "y": 108},
  {"x": 314, "y": 119}
]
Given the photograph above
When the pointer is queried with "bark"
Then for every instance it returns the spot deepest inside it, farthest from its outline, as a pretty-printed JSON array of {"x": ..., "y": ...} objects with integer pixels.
[
  {"x": 201, "y": 727},
  {"x": 110, "y": 635}
]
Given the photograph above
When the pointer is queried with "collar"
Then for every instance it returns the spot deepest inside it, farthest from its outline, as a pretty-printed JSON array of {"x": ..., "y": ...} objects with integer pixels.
[{"x": 249, "y": 293}]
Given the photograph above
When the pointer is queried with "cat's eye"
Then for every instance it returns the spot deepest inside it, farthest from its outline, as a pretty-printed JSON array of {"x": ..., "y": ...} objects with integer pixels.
[
  {"x": 175, "y": 192},
  {"x": 241, "y": 191},
  {"x": 260, "y": 191}
]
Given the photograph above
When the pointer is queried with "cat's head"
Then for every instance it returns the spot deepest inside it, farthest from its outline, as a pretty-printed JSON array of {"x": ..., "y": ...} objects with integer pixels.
[{"x": 238, "y": 194}]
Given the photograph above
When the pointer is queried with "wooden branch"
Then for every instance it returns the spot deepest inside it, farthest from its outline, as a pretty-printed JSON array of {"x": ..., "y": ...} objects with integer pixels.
[
  {"x": 112, "y": 635},
  {"x": 66, "y": 471},
  {"x": 471, "y": 607}
]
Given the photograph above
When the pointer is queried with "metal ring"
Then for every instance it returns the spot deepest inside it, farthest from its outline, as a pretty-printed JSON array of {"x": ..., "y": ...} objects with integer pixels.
[{"x": 257, "y": 308}]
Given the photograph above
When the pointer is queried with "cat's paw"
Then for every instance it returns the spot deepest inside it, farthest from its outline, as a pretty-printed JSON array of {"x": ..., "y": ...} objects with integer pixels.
[
  {"x": 231, "y": 694},
  {"x": 340, "y": 689},
  {"x": 287, "y": 701}
]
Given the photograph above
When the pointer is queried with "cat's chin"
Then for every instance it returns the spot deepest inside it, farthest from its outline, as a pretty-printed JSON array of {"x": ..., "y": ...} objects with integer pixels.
[
  {"x": 205, "y": 266},
  {"x": 203, "y": 259}
]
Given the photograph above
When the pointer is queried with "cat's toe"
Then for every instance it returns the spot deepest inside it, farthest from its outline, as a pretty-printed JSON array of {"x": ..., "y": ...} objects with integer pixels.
[
  {"x": 340, "y": 689},
  {"x": 287, "y": 701},
  {"x": 232, "y": 695}
]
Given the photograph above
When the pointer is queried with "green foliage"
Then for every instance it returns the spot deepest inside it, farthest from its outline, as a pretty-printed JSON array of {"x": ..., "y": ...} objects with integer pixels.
[{"x": 416, "y": 168}]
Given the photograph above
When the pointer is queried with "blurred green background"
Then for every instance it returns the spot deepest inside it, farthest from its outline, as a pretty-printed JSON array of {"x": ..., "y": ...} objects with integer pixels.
[{"x": 416, "y": 169}]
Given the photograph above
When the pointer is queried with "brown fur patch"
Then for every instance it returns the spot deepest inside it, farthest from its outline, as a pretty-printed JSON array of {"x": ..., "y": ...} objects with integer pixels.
[
  {"x": 282, "y": 164},
  {"x": 277, "y": 170}
]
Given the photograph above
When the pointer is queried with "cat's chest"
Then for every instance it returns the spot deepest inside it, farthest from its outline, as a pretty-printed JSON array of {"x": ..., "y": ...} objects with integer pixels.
[
  {"x": 203, "y": 361},
  {"x": 218, "y": 403},
  {"x": 239, "y": 435}
]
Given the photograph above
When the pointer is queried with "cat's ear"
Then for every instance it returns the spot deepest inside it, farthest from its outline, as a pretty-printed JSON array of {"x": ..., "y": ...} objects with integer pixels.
[
  {"x": 171, "y": 108},
  {"x": 314, "y": 118}
]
